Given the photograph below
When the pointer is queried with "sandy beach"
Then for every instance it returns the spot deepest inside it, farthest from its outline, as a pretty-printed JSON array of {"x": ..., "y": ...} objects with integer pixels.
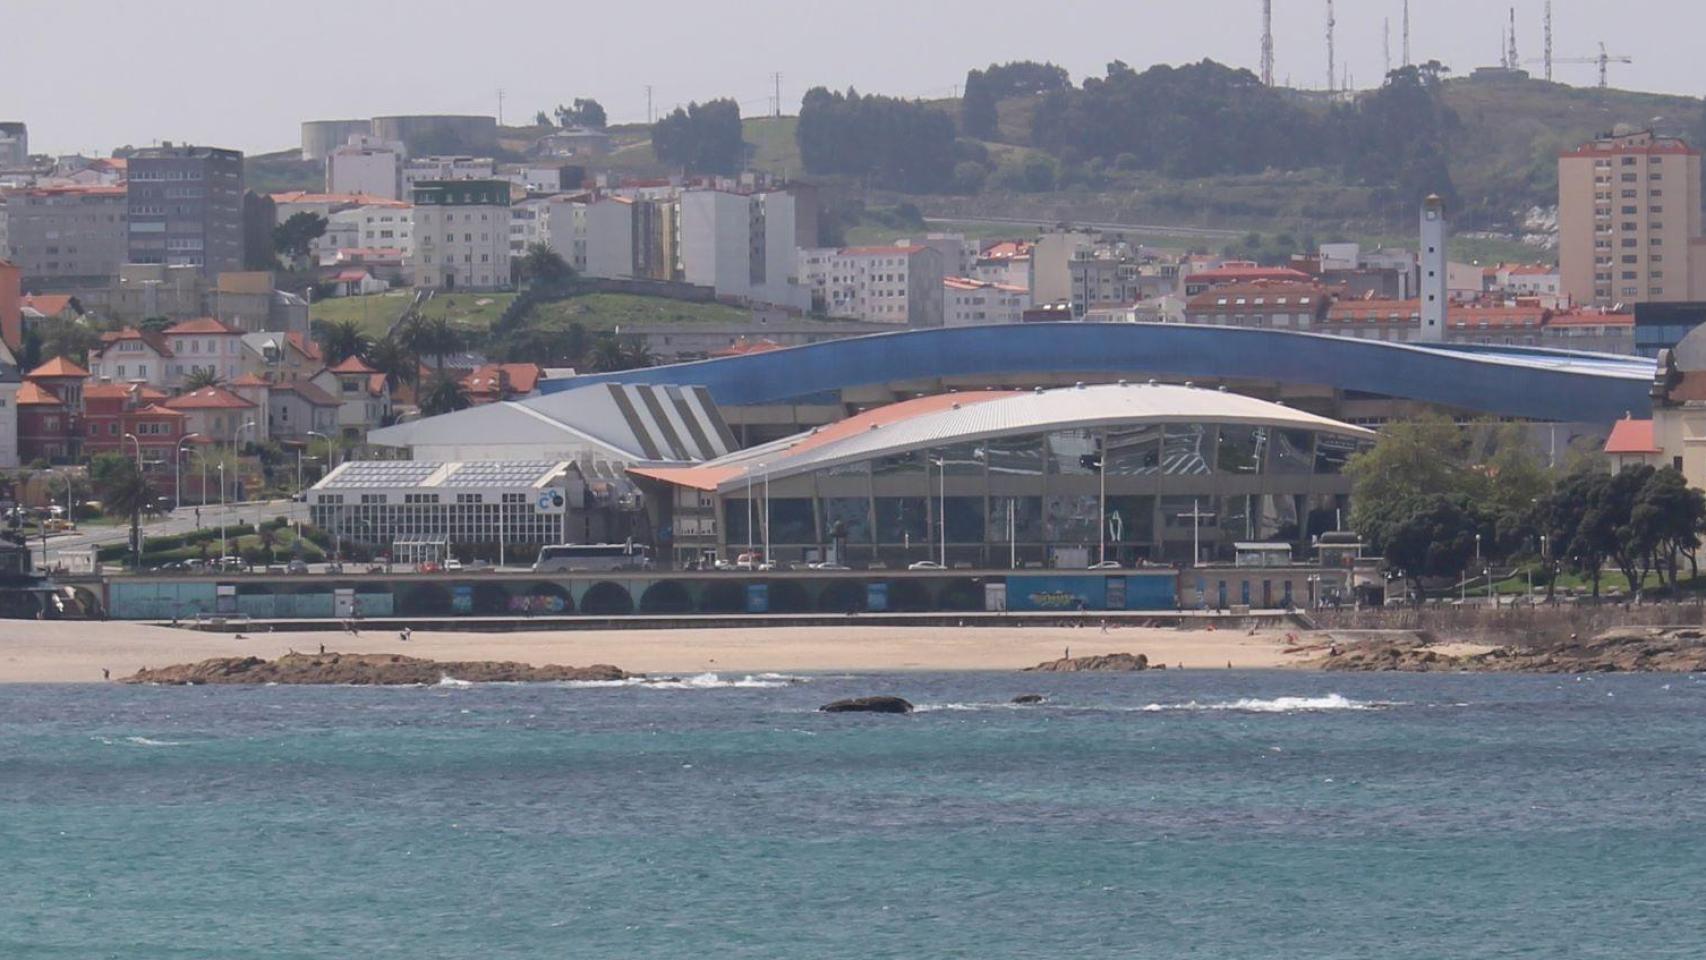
[{"x": 75, "y": 652}]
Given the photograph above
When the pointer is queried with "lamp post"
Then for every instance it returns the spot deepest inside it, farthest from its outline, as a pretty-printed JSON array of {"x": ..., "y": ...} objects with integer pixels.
[
  {"x": 766, "y": 515},
  {"x": 331, "y": 451},
  {"x": 132, "y": 438},
  {"x": 1102, "y": 500},
  {"x": 237, "y": 461},
  {"x": 178, "y": 472},
  {"x": 941, "y": 503},
  {"x": 1477, "y": 548},
  {"x": 222, "y": 512}
]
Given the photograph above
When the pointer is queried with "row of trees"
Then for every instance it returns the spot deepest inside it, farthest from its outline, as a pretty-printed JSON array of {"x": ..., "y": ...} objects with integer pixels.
[
  {"x": 701, "y": 137},
  {"x": 581, "y": 112},
  {"x": 899, "y": 144},
  {"x": 1430, "y": 497},
  {"x": 401, "y": 354}
]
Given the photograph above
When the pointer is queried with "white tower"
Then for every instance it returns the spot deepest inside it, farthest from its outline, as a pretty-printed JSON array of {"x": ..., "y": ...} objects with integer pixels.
[{"x": 1433, "y": 269}]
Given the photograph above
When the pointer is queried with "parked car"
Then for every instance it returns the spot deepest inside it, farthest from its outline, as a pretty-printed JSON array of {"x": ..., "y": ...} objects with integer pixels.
[
  {"x": 1106, "y": 565},
  {"x": 925, "y": 565},
  {"x": 827, "y": 566},
  {"x": 453, "y": 565},
  {"x": 296, "y": 566}
]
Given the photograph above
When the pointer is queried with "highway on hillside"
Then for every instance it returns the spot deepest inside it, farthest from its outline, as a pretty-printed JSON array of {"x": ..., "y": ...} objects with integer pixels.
[{"x": 1207, "y": 233}]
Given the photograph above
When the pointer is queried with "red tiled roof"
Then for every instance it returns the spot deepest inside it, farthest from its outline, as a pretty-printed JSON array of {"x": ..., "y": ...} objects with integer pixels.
[
  {"x": 309, "y": 392},
  {"x": 520, "y": 377},
  {"x": 1235, "y": 272},
  {"x": 107, "y": 391},
  {"x": 1006, "y": 250},
  {"x": 57, "y": 367},
  {"x": 352, "y": 364},
  {"x": 50, "y": 304},
  {"x": 349, "y": 276},
  {"x": 208, "y": 398},
  {"x": 356, "y": 199},
  {"x": 1273, "y": 293},
  {"x": 35, "y": 395},
  {"x": 743, "y": 346},
  {"x": 1631, "y": 436},
  {"x": 155, "y": 341},
  {"x": 250, "y": 379},
  {"x": 881, "y": 251},
  {"x": 309, "y": 348},
  {"x": 201, "y": 325}
]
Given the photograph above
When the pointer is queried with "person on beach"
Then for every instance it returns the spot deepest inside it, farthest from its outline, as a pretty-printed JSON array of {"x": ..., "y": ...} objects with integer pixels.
[{"x": 106, "y": 674}]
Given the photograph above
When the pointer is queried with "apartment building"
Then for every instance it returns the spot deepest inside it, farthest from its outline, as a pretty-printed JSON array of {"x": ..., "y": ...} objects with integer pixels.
[
  {"x": 186, "y": 207},
  {"x": 742, "y": 245},
  {"x": 367, "y": 226},
  {"x": 133, "y": 357},
  {"x": 66, "y": 238},
  {"x": 1629, "y": 227},
  {"x": 461, "y": 235},
  {"x": 1261, "y": 304},
  {"x": 594, "y": 236},
  {"x": 1105, "y": 277},
  {"x": 898, "y": 285},
  {"x": 419, "y": 170},
  {"x": 207, "y": 345},
  {"x": 967, "y": 302},
  {"x": 367, "y": 165}
]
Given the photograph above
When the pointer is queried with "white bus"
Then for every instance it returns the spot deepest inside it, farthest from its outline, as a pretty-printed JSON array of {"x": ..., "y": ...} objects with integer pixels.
[{"x": 593, "y": 556}]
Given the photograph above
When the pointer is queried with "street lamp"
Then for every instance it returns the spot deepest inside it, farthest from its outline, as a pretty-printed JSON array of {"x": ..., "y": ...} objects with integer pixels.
[
  {"x": 1102, "y": 500},
  {"x": 331, "y": 451},
  {"x": 178, "y": 472},
  {"x": 132, "y": 438},
  {"x": 221, "y": 511},
  {"x": 942, "y": 502}
]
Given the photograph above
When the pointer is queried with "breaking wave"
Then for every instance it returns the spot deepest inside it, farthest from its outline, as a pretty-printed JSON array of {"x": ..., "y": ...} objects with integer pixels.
[{"x": 1332, "y": 701}]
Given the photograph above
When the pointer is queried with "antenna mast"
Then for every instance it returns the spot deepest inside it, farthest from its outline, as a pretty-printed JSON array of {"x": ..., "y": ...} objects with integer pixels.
[
  {"x": 1386, "y": 42},
  {"x": 1268, "y": 42},
  {"x": 1332, "y": 72},
  {"x": 1515, "y": 62},
  {"x": 1548, "y": 41},
  {"x": 1406, "y": 33}
]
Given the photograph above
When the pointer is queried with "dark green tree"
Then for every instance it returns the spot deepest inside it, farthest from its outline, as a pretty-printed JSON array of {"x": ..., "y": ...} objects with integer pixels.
[
  {"x": 292, "y": 238},
  {"x": 1426, "y": 537},
  {"x": 899, "y": 144},
  {"x": 581, "y": 113},
  {"x": 200, "y": 377},
  {"x": 543, "y": 266},
  {"x": 444, "y": 394},
  {"x": 124, "y": 491},
  {"x": 341, "y": 339},
  {"x": 701, "y": 138}
]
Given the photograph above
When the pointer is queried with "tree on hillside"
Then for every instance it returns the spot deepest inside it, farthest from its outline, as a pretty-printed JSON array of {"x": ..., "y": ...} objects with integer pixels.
[
  {"x": 541, "y": 119},
  {"x": 985, "y": 89},
  {"x": 611, "y": 353},
  {"x": 443, "y": 394},
  {"x": 292, "y": 238},
  {"x": 341, "y": 339},
  {"x": 701, "y": 138},
  {"x": 1411, "y": 459},
  {"x": 581, "y": 113},
  {"x": 434, "y": 337},
  {"x": 898, "y": 144},
  {"x": 543, "y": 266},
  {"x": 69, "y": 338}
]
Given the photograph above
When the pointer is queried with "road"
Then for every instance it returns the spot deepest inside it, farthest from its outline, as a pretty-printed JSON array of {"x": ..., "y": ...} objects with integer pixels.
[
  {"x": 1153, "y": 229},
  {"x": 182, "y": 520}
]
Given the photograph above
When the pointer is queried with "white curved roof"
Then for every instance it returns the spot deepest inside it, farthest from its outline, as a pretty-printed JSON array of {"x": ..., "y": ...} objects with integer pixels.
[{"x": 1083, "y": 407}]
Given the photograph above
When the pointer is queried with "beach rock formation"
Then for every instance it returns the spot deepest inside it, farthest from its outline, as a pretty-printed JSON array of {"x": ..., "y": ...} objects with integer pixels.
[
  {"x": 868, "y": 705},
  {"x": 1029, "y": 698},
  {"x": 1622, "y": 650},
  {"x": 366, "y": 669},
  {"x": 1106, "y": 663}
]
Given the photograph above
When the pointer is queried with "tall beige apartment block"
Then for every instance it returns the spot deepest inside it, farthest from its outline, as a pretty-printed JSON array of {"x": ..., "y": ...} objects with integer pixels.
[{"x": 1629, "y": 220}]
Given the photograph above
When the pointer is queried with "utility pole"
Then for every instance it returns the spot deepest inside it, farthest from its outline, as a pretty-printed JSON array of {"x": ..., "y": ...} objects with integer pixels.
[
  {"x": 500, "y": 106},
  {"x": 1515, "y": 61},
  {"x": 1406, "y": 33},
  {"x": 1332, "y": 70},
  {"x": 649, "y": 118},
  {"x": 1268, "y": 43},
  {"x": 1548, "y": 41},
  {"x": 1386, "y": 42},
  {"x": 777, "y": 78}
]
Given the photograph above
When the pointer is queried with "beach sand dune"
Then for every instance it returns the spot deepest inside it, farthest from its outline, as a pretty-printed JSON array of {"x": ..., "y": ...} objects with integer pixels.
[{"x": 75, "y": 652}]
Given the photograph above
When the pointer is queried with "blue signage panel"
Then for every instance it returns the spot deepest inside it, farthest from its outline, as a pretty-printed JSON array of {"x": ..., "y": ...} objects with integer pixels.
[
  {"x": 876, "y": 597},
  {"x": 1157, "y": 591},
  {"x": 758, "y": 598},
  {"x": 1057, "y": 594}
]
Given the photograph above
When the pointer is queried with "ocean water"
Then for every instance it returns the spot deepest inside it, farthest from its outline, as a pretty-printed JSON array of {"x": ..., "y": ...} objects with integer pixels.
[{"x": 1179, "y": 814}]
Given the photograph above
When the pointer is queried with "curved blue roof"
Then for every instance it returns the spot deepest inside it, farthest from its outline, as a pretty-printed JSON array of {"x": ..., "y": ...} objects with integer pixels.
[{"x": 1527, "y": 383}]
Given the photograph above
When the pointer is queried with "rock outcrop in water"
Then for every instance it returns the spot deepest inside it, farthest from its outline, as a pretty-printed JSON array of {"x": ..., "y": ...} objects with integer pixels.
[
  {"x": 1107, "y": 663},
  {"x": 1623, "y": 650},
  {"x": 1028, "y": 699},
  {"x": 868, "y": 705},
  {"x": 366, "y": 669}
]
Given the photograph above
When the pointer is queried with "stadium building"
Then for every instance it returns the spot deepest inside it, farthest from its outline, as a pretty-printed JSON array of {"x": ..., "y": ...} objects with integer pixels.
[{"x": 1066, "y": 478}]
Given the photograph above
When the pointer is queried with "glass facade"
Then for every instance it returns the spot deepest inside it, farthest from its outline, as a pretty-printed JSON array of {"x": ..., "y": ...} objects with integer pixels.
[{"x": 1141, "y": 492}]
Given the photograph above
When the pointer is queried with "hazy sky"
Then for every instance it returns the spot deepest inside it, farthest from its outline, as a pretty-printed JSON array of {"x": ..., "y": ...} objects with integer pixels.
[{"x": 90, "y": 74}]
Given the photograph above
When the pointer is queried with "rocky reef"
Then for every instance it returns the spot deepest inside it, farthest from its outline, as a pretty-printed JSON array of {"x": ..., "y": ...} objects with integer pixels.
[
  {"x": 868, "y": 705},
  {"x": 365, "y": 669},
  {"x": 1106, "y": 663},
  {"x": 1621, "y": 650}
]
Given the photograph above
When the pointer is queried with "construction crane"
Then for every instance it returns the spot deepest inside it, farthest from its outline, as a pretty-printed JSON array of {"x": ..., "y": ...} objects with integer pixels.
[{"x": 1604, "y": 60}]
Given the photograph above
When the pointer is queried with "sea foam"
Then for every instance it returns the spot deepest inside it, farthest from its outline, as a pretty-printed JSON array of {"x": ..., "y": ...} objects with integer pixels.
[{"x": 1332, "y": 701}]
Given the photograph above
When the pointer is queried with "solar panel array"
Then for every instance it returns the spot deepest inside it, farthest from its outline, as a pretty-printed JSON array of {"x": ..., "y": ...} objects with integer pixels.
[
  {"x": 382, "y": 474},
  {"x": 517, "y": 473}
]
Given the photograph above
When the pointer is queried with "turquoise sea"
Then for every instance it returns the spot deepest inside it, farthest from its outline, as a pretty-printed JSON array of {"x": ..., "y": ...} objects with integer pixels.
[{"x": 1179, "y": 814}]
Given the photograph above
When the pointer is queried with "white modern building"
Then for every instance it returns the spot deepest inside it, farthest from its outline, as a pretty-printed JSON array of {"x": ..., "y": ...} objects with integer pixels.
[
  {"x": 967, "y": 302},
  {"x": 595, "y": 236},
  {"x": 367, "y": 165},
  {"x": 461, "y": 235},
  {"x": 387, "y": 225},
  {"x": 742, "y": 245},
  {"x": 899, "y": 285},
  {"x": 417, "y": 170}
]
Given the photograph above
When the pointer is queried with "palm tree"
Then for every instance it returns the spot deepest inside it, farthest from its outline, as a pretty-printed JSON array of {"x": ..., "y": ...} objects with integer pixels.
[
  {"x": 201, "y": 377},
  {"x": 267, "y": 536},
  {"x": 125, "y": 492},
  {"x": 341, "y": 339},
  {"x": 611, "y": 353},
  {"x": 397, "y": 362},
  {"x": 436, "y": 337},
  {"x": 543, "y": 266},
  {"x": 444, "y": 395}
]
